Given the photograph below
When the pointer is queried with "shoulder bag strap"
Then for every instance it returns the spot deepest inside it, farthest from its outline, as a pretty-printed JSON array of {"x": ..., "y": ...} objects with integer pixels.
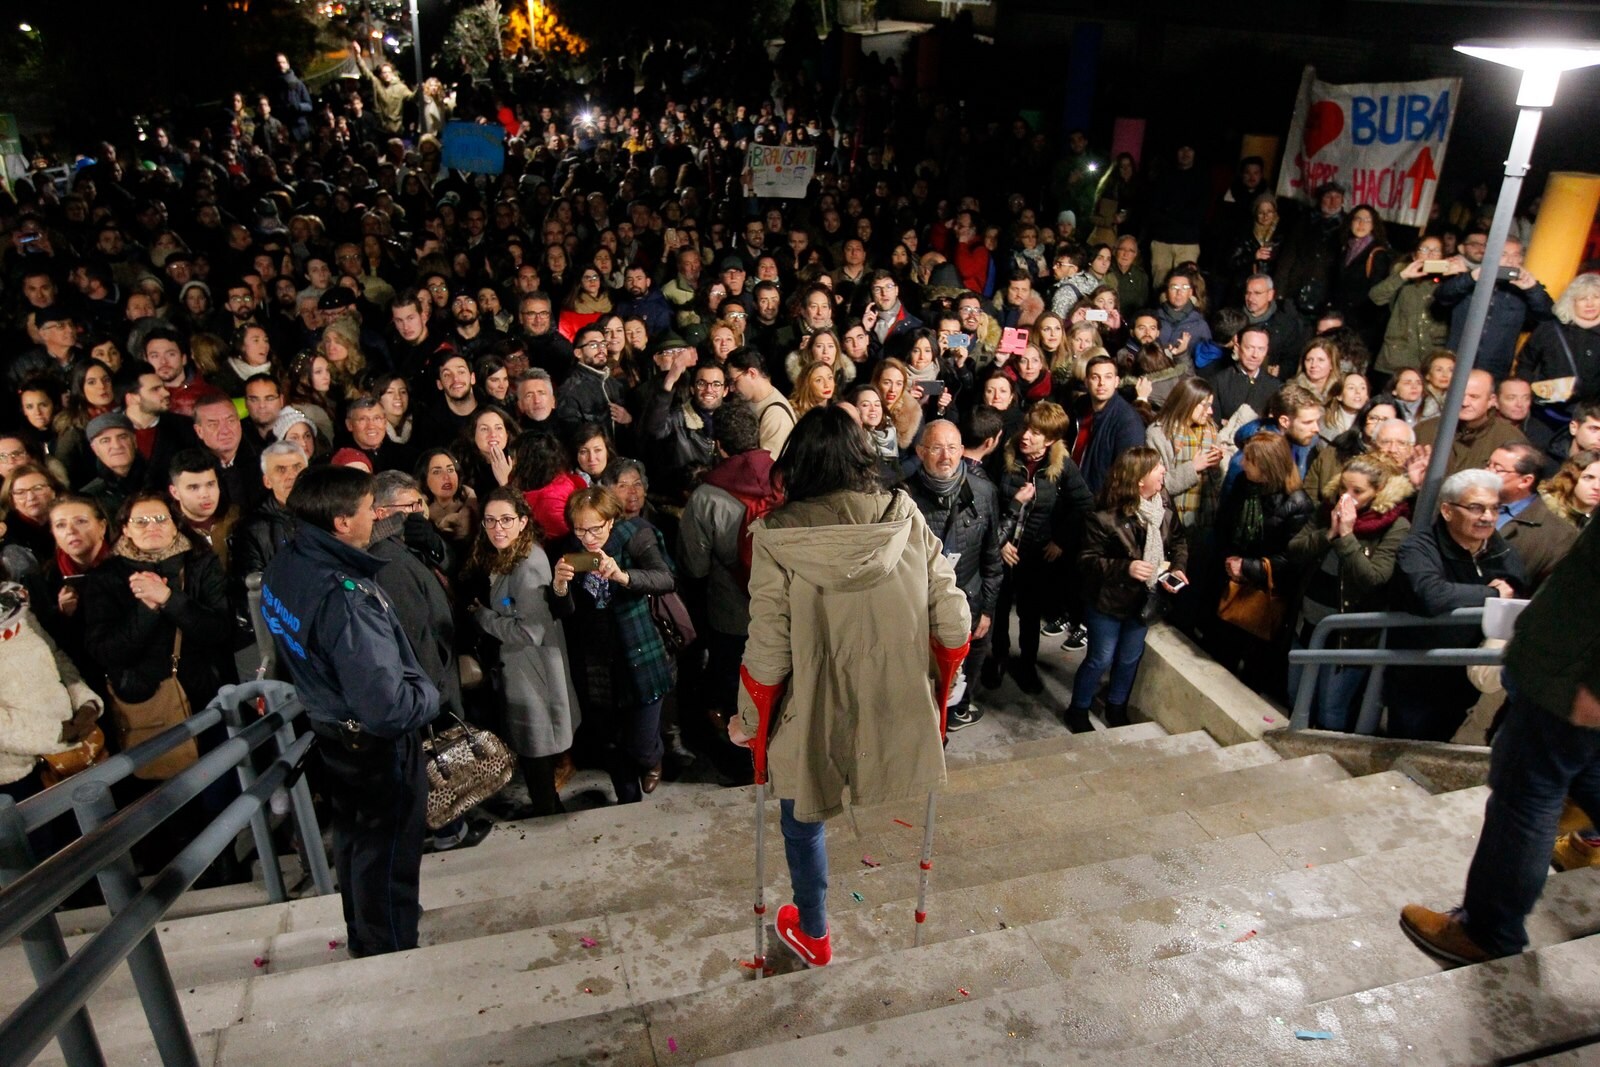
[
  {"x": 1566, "y": 347},
  {"x": 177, "y": 637}
]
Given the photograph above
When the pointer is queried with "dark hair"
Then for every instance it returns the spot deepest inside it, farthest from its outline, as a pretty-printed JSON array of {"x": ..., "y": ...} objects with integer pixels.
[
  {"x": 1121, "y": 491},
  {"x": 736, "y": 427},
  {"x": 980, "y": 424},
  {"x": 127, "y": 379},
  {"x": 537, "y": 459},
  {"x": 1229, "y": 323},
  {"x": 827, "y": 452},
  {"x": 746, "y": 358},
  {"x": 163, "y": 333},
  {"x": 324, "y": 493},
  {"x": 485, "y": 558},
  {"x": 191, "y": 461},
  {"x": 420, "y": 473}
]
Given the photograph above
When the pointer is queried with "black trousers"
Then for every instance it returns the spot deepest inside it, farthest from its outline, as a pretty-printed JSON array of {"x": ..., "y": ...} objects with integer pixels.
[{"x": 379, "y": 797}]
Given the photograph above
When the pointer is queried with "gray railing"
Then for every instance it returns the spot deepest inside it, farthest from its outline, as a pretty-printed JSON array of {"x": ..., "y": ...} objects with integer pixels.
[
  {"x": 1318, "y": 655},
  {"x": 255, "y": 714}
]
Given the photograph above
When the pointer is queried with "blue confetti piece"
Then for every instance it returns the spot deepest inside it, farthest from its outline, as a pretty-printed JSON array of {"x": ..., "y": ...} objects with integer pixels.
[
  {"x": 859, "y": 898},
  {"x": 1313, "y": 1035}
]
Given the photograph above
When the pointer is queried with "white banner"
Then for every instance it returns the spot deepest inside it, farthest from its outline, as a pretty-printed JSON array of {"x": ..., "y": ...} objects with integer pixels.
[
  {"x": 1384, "y": 142},
  {"x": 781, "y": 172}
]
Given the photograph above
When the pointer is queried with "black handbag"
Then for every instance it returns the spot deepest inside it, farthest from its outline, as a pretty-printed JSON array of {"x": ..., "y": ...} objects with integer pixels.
[{"x": 671, "y": 616}]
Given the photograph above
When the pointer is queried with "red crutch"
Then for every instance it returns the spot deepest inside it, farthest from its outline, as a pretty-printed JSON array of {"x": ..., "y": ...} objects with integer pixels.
[
  {"x": 765, "y": 698},
  {"x": 948, "y": 661}
]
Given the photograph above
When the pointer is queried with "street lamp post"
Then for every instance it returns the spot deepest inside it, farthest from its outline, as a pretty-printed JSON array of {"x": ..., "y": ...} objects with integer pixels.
[
  {"x": 1541, "y": 64},
  {"x": 416, "y": 43}
]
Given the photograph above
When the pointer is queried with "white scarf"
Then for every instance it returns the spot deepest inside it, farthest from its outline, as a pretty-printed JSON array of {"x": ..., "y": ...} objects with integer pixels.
[{"x": 1152, "y": 512}]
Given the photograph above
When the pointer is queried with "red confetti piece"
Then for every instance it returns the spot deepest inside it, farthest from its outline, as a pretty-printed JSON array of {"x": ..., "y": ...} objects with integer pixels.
[
  {"x": 260, "y": 961},
  {"x": 586, "y": 989},
  {"x": 332, "y": 945},
  {"x": 907, "y": 825},
  {"x": 672, "y": 1044},
  {"x": 587, "y": 942},
  {"x": 963, "y": 992},
  {"x": 870, "y": 862},
  {"x": 1244, "y": 937}
]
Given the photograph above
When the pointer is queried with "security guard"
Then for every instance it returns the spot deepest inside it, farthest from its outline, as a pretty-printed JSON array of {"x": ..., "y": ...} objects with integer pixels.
[{"x": 366, "y": 698}]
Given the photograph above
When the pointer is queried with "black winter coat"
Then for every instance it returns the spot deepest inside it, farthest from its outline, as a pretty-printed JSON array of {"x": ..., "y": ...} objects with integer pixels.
[
  {"x": 1283, "y": 516},
  {"x": 1111, "y": 541},
  {"x": 131, "y": 645},
  {"x": 255, "y": 541},
  {"x": 420, "y": 603},
  {"x": 1545, "y": 356},
  {"x": 1055, "y": 514},
  {"x": 973, "y": 536}
]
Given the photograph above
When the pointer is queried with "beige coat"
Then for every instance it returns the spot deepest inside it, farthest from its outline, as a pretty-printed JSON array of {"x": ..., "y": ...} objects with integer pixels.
[{"x": 845, "y": 591}]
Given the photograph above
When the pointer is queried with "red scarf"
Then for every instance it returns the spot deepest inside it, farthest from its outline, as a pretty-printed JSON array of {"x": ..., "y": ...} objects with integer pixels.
[
  {"x": 1371, "y": 523},
  {"x": 69, "y": 567}
]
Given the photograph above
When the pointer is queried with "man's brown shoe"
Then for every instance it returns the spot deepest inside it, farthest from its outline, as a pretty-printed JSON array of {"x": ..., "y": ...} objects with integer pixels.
[
  {"x": 1440, "y": 933},
  {"x": 565, "y": 769},
  {"x": 650, "y": 779}
]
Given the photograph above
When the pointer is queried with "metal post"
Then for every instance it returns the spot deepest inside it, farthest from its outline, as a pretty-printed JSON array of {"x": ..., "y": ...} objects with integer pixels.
[
  {"x": 42, "y": 942},
  {"x": 1372, "y": 699},
  {"x": 1517, "y": 162},
  {"x": 416, "y": 43},
  {"x": 305, "y": 818},
  {"x": 158, "y": 994},
  {"x": 266, "y": 851}
]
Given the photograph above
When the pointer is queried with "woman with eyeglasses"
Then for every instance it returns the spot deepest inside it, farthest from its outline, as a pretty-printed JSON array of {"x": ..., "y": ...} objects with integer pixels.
[
  {"x": 525, "y": 651},
  {"x": 25, "y": 499},
  {"x": 609, "y": 567},
  {"x": 585, "y": 304}
]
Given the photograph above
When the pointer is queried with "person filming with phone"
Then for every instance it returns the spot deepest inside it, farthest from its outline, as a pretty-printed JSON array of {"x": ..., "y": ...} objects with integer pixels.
[{"x": 1519, "y": 303}]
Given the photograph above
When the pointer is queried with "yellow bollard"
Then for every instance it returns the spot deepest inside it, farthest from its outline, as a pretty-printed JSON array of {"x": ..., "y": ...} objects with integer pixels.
[
  {"x": 1259, "y": 144},
  {"x": 1561, "y": 231}
]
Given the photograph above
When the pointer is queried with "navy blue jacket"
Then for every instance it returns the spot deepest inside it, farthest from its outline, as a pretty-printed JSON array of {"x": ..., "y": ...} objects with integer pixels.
[
  {"x": 1116, "y": 428},
  {"x": 343, "y": 645},
  {"x": 1511, "y": 310}
]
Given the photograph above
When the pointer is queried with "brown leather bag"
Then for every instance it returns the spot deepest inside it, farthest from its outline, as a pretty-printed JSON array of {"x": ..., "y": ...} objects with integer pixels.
[
  {"x": 59, "y": 766},
  {"x": 141, "y": 720},
  {"x": 1254, "y": 610}
]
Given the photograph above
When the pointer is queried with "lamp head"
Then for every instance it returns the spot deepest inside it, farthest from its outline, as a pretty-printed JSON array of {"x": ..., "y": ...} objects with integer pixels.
[{"x": 1541, "y": 63}]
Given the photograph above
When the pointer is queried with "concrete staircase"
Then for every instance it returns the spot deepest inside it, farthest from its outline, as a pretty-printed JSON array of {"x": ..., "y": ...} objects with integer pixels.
[{"x": 1123, "y": 896}]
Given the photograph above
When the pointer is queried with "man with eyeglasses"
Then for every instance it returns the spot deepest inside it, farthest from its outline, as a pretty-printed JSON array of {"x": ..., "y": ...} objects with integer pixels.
[
  {"x": 1519, "y": 302},
  {"x": 889, "y": 316},
  {"x": 1456, "y": 561},
  {"x": 547, "y": 349},
  {"x": 590, "y": 393},
  {"x": 1286, "y": 333},
  {"x": 1182, "y": 324},
  {"x": 680, "y": 425},
  {"x": 1538, "y": 537}
]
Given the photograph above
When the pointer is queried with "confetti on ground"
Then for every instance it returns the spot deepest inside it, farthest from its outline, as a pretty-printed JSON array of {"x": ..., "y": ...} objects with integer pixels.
[
  {"x": 332, "y": 945},
  {"x": 586, "y": 989},
  {"x": 859, "y": 899},
  {"x": 963, "y": 992},
  {"x": 1244, "y": 937},
  {"x": 1268, "y": 718},
  {"x": 587, "y": 942},
  {"x": 907, "y": 825},
  {"x": 672, "y": 1044},
  {"x": 870, "y": 862},
  {"x": 260, "y": 961},
  {"x": 1313, "y": 1035}
]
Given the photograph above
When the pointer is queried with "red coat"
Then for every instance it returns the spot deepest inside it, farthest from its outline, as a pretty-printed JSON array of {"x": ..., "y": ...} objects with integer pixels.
[
  {"x": 549, "y": 505},
  {"x": 972, "y": 263}
]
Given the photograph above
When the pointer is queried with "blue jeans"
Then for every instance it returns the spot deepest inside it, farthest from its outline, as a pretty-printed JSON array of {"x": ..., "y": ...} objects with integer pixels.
[
  {"x": 1338, "y": 688},
  {"x": 1538, "y": 761},
  {"x": 1114, "y": 643},
  {"x": 805, "y": 849}
]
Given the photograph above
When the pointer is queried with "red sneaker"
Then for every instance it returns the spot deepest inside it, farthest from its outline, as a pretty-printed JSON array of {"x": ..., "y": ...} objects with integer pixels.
[{"x": 814, "y": 951}]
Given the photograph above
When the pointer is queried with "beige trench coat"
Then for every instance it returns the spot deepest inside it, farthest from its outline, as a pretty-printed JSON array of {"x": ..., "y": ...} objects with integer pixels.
[{"x": 845, "y": 591}]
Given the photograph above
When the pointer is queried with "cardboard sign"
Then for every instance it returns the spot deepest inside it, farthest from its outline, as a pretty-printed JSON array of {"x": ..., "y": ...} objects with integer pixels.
[
  {"x": 1383, "y": 141},
  {"x": 475, "y": 149},
  {"x": 779, "y": 171}
]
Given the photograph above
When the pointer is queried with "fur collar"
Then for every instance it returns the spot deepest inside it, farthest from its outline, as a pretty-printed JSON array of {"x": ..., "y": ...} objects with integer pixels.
[{"x": 1055, "y": 460}]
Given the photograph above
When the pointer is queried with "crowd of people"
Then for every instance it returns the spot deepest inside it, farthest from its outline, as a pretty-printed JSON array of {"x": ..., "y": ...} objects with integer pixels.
[{"x": 1113, "y": 393}]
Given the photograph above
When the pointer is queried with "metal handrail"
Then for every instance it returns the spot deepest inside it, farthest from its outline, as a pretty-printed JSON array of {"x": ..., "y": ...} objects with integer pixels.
[
  {"x": 26, "y": 1031},
  {"x": 34, "y": 889},
  {"x": 1317, "y": 655}
]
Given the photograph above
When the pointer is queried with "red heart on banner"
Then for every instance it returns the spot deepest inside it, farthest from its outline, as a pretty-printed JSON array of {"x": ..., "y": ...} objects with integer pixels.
[{"x": 1324, "y": 123}]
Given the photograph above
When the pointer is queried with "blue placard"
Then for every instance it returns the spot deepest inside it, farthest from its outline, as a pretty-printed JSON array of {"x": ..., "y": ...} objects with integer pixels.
[{"x": 473, "y": 148}]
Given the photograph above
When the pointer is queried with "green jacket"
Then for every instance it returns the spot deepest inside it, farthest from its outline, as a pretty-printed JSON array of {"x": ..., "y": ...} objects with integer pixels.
[
  {"x": 1555, "y": 650},
  {"x": 1414, "y": 328}
]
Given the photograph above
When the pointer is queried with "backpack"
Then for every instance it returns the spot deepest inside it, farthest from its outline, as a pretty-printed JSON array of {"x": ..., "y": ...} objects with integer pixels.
[{"x": 755, "y": 507}]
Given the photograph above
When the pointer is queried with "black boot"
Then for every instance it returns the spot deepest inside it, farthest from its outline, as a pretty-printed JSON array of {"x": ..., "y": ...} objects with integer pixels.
[
  {"x": 1116, "y": 715},
  {"x": 990, "y": 674},
  {"x": 1078, "y": 720}
]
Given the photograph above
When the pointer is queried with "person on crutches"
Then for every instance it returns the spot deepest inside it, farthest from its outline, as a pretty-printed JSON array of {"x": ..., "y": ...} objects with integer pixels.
[{"x": 848, "y": 591}]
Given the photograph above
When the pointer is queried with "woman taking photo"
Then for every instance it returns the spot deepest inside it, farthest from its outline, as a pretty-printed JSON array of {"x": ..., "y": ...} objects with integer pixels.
[
  {"x": 529, "y": 663},
  {"x": 621, "y": 668},
  {"x": 1133, "y": 556},
  {"x": 841, "y": 567},
  {"x": 1346, "y": 556}
]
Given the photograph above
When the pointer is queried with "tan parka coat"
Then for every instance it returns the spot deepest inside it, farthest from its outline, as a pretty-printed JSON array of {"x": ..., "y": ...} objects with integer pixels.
[{"x": 845, "y": 591}]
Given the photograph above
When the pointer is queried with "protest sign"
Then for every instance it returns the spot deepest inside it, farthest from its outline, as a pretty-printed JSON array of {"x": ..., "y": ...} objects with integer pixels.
[
  {"x": 779, "y": 171},
  {"x": 474, "y": 148}
]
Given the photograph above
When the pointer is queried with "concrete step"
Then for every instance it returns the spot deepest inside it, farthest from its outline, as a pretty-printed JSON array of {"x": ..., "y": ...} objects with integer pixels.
[
  {"x": 1237, "y": 1003},
  {"x": 671, "y": 960},
  {"x": 1091, "y": 829}
]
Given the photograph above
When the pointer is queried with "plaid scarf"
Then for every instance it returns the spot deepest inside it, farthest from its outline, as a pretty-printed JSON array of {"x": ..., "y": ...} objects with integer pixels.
[{"x": 1197, "y": 505}]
